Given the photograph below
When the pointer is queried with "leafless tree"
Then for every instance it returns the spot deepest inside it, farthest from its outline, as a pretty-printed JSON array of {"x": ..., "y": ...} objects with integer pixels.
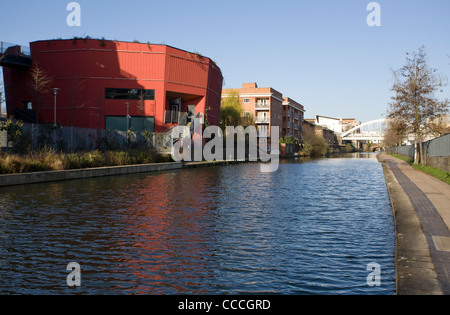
[
  {"x": 39, "y": 84},
  {"x": 395, "y": 133},
  {"x": 414, "y": 101},
  {"x": 438, "y": 126}
]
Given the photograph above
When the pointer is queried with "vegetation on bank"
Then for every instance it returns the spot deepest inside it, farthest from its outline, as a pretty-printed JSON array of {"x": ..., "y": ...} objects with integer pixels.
[
  {"x": 50, "y": 160},
  {"x": 20, "y": 158},
  {"x": 440, "y": 174}
]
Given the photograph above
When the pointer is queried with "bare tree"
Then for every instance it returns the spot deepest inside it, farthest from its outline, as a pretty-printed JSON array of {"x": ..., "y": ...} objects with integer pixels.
[
  {"x": 414, "y": 101},
  {"x": 438, "y": 126},
  {"x": 40, "y": 84},
  {"x": 395, "y": 133}
]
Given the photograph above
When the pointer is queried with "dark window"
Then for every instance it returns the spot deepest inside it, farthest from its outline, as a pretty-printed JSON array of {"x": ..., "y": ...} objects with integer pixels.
[
  {"x": 137, "y": 124},
  {"x": 130, "y": 94}
]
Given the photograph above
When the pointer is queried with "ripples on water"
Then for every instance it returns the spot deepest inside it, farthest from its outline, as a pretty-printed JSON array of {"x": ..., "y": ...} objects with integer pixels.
[{"x": 310, "y": 228}]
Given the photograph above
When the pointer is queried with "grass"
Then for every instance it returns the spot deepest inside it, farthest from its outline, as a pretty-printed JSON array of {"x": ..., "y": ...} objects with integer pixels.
[
  {"x": 440, "y": 174},
  {"x": 50, "y": 160}
]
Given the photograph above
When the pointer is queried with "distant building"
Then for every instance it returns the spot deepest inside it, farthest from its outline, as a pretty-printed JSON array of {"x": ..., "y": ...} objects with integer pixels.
[
  {"x": 331, "y": 123},
  {"x": 310, "y": 128},
  {"x": 328, "y": 134},
  {"x": 349, "y": 123},
  {"x": 269, "y": 108},
  {"x": 163, "y": 86},
  {"x": 337, "y": 125}
]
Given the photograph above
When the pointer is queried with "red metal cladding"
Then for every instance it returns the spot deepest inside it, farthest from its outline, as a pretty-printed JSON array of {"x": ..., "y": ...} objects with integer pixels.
[{"x": 84, "y": 68}]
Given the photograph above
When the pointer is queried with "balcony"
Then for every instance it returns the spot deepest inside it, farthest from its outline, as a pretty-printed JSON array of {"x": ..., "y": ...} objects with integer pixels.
[
  {"x": 262, "y": 106},
  {"x": 262, "y": 120}
]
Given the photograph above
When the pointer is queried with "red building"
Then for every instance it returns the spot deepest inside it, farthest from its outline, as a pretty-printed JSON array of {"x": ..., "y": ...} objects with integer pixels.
[{"x": 162, "y": 85}]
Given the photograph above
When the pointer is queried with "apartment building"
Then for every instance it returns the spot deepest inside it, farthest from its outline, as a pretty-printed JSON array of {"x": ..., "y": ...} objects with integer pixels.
[
  {"x": 269, "y": 108},
  {"x": 293, "y": 116}
]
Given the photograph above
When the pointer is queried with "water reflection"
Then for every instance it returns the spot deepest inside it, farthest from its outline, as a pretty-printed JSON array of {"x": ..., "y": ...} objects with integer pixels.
[{"x": 310, "y": 228}]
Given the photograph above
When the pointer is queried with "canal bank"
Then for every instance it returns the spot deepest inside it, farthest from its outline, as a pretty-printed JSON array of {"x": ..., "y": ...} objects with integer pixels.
[
  {"x": 56, "y": 176},
  {"x": 421, "y": 211}
]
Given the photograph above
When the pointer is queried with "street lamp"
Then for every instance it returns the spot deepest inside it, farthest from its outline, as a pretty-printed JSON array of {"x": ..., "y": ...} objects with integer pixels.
[
  {"x": 55, "y": 91},
  {"x": 1, "y": 103},
  {"x": 128, "y": 118}
]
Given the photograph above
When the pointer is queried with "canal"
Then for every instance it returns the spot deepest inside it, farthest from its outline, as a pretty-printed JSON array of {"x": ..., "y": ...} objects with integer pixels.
[{"x": 312, "y": 227}]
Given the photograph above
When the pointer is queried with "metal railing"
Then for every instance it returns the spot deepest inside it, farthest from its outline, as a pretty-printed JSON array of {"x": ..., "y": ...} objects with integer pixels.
[
  {"x": 175, "y": 117},
  {"x": 262, "y": 105},
  {"x": 262, "y": 120},
  {"x": 25, "y": 50}
]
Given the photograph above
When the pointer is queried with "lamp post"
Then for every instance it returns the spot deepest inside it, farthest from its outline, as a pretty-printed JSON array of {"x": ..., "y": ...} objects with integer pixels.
[
  {"x": 1, "y": 103},
  {"x": 55, "y": 91},
  {"x": 128, "y": 118}
]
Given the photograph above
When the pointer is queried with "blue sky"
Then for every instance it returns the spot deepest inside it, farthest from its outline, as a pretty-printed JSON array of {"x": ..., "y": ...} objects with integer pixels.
[{"x": 321, "y": 53}]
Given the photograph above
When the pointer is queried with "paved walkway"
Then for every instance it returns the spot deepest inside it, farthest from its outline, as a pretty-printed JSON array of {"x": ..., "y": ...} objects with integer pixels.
[{"x": 430, "y": 198}]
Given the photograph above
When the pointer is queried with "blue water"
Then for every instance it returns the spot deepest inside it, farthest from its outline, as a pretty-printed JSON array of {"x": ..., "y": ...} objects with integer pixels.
[{"x": 310, "y": 228}]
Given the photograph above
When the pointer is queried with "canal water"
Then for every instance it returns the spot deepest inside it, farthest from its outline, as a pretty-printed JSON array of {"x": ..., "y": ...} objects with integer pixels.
[{"x": 313, "y": 227}]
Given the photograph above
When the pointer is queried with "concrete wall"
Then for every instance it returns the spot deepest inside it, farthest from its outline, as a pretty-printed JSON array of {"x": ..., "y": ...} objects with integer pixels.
[
  {"x": 43, "y": 177},
  {"x": 440, "y": 162}
]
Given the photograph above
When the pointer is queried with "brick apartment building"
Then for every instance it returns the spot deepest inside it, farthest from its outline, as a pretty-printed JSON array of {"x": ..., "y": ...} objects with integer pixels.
[
  {"x": 269, "y": 108},
  {"x": 293, "y": 116}
]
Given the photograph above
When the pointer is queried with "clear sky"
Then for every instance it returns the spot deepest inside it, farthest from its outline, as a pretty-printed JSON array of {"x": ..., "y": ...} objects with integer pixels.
[{"x": 320, "y": 53}]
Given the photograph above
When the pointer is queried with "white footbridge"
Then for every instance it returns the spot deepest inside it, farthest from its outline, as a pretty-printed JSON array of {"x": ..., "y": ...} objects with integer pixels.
[{"x": 372, "y": 131}]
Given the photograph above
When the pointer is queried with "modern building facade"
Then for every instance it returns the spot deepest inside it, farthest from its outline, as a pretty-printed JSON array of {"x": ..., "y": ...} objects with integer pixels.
[
  {"x": 269, "y": 108},
  {"x": 338, "y": 125},
  {"x": 104, "y": 84}
]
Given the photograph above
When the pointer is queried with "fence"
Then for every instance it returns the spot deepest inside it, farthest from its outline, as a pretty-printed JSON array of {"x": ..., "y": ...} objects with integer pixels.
[
  {"x": 3, "y": 139},
  {"x": 75, "y": 139},
  {"x": 437, "y": 152}
]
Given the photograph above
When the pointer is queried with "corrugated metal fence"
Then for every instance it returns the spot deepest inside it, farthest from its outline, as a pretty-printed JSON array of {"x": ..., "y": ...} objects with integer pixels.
[
  {"x": 3, "y": 139},
  {"x": 73, "y": 139},
  {"x": 438, "y": 147}
]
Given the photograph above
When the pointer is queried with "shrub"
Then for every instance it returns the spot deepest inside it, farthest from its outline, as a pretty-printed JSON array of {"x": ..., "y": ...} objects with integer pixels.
[
  {"x": 349, "y": 148},
  {"x": 72, "y": 161},
  {"x": 315, "y": 146},
  {"x": 92, "y": 159},
  {"x": 117, "y": 158}
]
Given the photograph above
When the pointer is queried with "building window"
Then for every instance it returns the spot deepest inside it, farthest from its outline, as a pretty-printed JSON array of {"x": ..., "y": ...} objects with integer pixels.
[
  {"x": 262, "y": 131},
  {"x": 129, "y": 94},
  {"x": 137, "y": 124},
  {"x": 28, "y": 105},
  {"x": 246, "y": 100},
  {"x": 246, "y": 114}
]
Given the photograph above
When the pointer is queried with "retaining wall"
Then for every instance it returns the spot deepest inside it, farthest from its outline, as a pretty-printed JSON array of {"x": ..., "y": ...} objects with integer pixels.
[{"x": 43, "y": 177}]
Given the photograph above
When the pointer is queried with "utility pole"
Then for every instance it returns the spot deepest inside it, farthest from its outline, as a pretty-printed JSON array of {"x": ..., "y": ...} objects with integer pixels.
[
  {"x": 128, "y": 118},
  {"x": 55, "y": 91},
  {"x": 1, "y": 103}
]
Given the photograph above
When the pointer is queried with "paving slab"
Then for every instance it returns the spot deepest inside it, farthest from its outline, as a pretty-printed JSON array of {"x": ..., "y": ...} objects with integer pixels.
[{"x": 429, "y": 197}]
